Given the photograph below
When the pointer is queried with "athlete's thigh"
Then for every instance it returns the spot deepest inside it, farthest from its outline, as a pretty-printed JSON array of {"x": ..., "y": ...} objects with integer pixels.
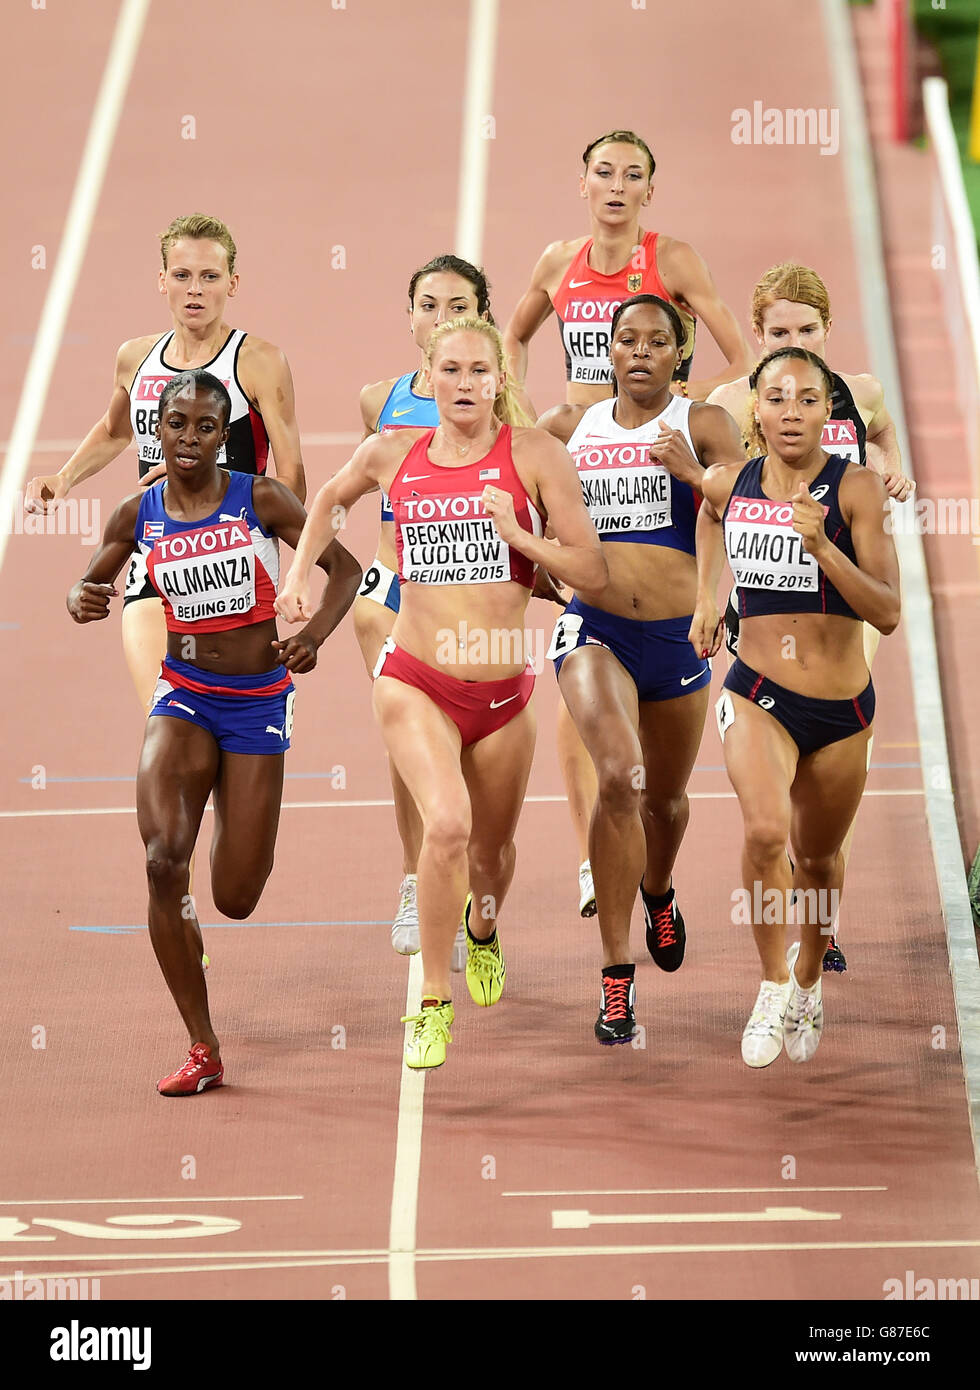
[
  {"x": 247, "y": 801},
  {"x": 760, "y": 757},
  {"x": 496, "y": 771},
  {"x": 373, "y": 623},
  {"x": 670, "y": 735},
  {"x": 826, "y": 794},
  {"x": 424, "y": 745},
  {"x": 144, "y": 636},
  {"x": 600, "y": 695},
  {"x": 177, "y": 769}
]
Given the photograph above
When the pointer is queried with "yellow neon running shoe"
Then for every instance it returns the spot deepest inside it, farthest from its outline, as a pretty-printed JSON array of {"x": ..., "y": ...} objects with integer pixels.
[
  {"x": 427, "y": 1045},
  {"x": 485, "y": 968}
]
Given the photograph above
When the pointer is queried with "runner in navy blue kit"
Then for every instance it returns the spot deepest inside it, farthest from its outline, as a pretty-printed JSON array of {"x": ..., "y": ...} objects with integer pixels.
[
  {"x": 222, "y": 712},
  {"x": 198, "y": 279},
  {"x": 636, "y": 691},
  {"x": 805, "y": 537},
  {"x": 791, "y": 308},
  {"x": 444, "y": 288}
]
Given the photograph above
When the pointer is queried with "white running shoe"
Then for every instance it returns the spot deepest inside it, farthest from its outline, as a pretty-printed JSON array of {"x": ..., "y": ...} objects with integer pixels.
[
  {"x": 405, "y": 930},
  {"x": 762, "y": 1041},
  {"x": 586, "y": 890},
  {"x": 803, "y": 1021}
]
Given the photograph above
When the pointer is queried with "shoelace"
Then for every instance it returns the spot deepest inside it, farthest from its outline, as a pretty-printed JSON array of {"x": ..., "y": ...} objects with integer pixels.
[
  {"x": 762, "y": 1021},
  {"x": 805, "y": 1009},
  {"x": 615, "y": 998},
  {"x": 483, "y": 958},
  {"x": 663, "y": 925},
  {"x": 196, "y": 1059},
  {"x": 431, "y": 1020}
]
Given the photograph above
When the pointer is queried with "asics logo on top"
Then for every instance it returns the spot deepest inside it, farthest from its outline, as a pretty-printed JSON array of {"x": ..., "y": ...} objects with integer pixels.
[
  {"x": 495, "y": 704},
  {"x": 395, "y": 413},
  {"x": 820, "y": 492},
  {"x": 766, "y": 702},
  {"x": 577, "y": 284},
  {"x": 686, "y": 680},
  {"x": 271, "y": 729}
]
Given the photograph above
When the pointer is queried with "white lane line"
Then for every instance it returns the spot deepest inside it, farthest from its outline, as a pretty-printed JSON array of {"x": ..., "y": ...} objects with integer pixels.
[
  {"x": 582, "y": 1220},
  {"x": 408, "y": 1159},
  {"x": 71, "y": 253},
  {"x": 917, "y": 622},
  {"x": 475, "y": 139},
  {"x": 139, "y": 1201},
  {"x": 682, "y": 1191},
  {"x": 353, "y": 805},
  {"x": 297, "y": 1259}
]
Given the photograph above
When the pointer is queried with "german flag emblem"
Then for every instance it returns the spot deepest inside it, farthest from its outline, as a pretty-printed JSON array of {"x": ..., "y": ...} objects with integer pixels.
[{"x": 633, "y": 283}]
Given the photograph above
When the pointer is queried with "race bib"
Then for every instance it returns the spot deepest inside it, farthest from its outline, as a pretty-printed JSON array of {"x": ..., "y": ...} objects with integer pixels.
[
  {"x": 450, "y": 540},
  {"x": 205, "y": 573},
  {"x": 624, "y": 489},
  {"x": 724, "y": 714},
  {"x": 764, "y": 552},
  {"x": 565, "y": 636}
]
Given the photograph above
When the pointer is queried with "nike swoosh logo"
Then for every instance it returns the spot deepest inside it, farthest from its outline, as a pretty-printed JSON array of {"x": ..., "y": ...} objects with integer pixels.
[
  {"x": 415, "y": 477},
  {"x": 495, "y": 704},
  {"x": 577, "y": 284},
  {"x": 686, "y": 680},
  {"x": 395, "y": 413}
]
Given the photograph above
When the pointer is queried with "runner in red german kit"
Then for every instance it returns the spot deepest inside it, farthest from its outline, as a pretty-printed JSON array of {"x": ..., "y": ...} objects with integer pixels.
[
  {"x": 452, "y": 689},
  {"x": 222, "y": 711}
]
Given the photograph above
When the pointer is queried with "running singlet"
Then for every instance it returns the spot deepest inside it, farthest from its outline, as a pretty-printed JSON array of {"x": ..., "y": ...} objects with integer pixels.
[
  {"x": 214, "y": 574},
  {"x": 585, "y": 302},
  {"x": 845, "y": 432},
  {"x": 404, "y": 410},
  {"x": 247, "y": 449},
  {"x": 442, "y": 533},
  {"x": 773, "y": 573},
  {"x": 630, "y": 496}
]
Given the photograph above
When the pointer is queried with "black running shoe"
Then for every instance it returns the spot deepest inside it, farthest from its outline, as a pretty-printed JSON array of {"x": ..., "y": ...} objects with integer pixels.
[
  {"x": 833, "y": 958},
  {"x": 665, "y": 931},
  {"x": 616, "y": 1022}
]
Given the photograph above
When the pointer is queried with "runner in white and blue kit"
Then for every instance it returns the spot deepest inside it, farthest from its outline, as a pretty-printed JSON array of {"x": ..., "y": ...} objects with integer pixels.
[{"x": 632, "y": 684}]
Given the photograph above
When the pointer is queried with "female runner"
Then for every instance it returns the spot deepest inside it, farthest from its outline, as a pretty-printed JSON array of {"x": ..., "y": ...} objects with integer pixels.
[
  {"x": 583, "y": 281},
  {"x": 634, "y": 688},
  {"x": 791, "y": 308},
  {"x": 445, "y": 288},
  {"x": 805, "y": 537},
  {"x": 221, "y": 718},
  {"x": 198, "y": 278},
  {"x": 452, "y": 689}
]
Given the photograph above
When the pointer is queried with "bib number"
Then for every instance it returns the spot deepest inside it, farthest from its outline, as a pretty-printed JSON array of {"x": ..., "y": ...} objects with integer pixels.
[
  {"x": 724, "y": 714},
  {"x": 290, "y": 702},
  {"x": 565, "y": 637}
]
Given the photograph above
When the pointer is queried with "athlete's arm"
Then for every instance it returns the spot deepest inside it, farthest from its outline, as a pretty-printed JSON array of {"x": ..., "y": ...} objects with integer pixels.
[
  {"x": 561, "y": 421},
  {"x": 686, "y": 278},
  {"x": 707, "y": 628},
  {"x": 268, "y": 383},
  {"x": 872, "y": 585},
  {"x": 578, "y": 559},
  {"x": 881, "y": 439},
  {"x": 104, "y": 441},
  {"x": 735, "y": 397},
  {"x": 715, "y": 434},
  {"x": 534, "y": 308},
  {"x": 327, "y": 516},
  {"x": 372, "y": 403},
  {"x": 283, "y": 514},
  {"x": 88, "y": 600}
]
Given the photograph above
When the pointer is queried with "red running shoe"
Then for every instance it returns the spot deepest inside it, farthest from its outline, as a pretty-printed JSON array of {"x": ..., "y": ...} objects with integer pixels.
[{"x": 196, "y": 1075}]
